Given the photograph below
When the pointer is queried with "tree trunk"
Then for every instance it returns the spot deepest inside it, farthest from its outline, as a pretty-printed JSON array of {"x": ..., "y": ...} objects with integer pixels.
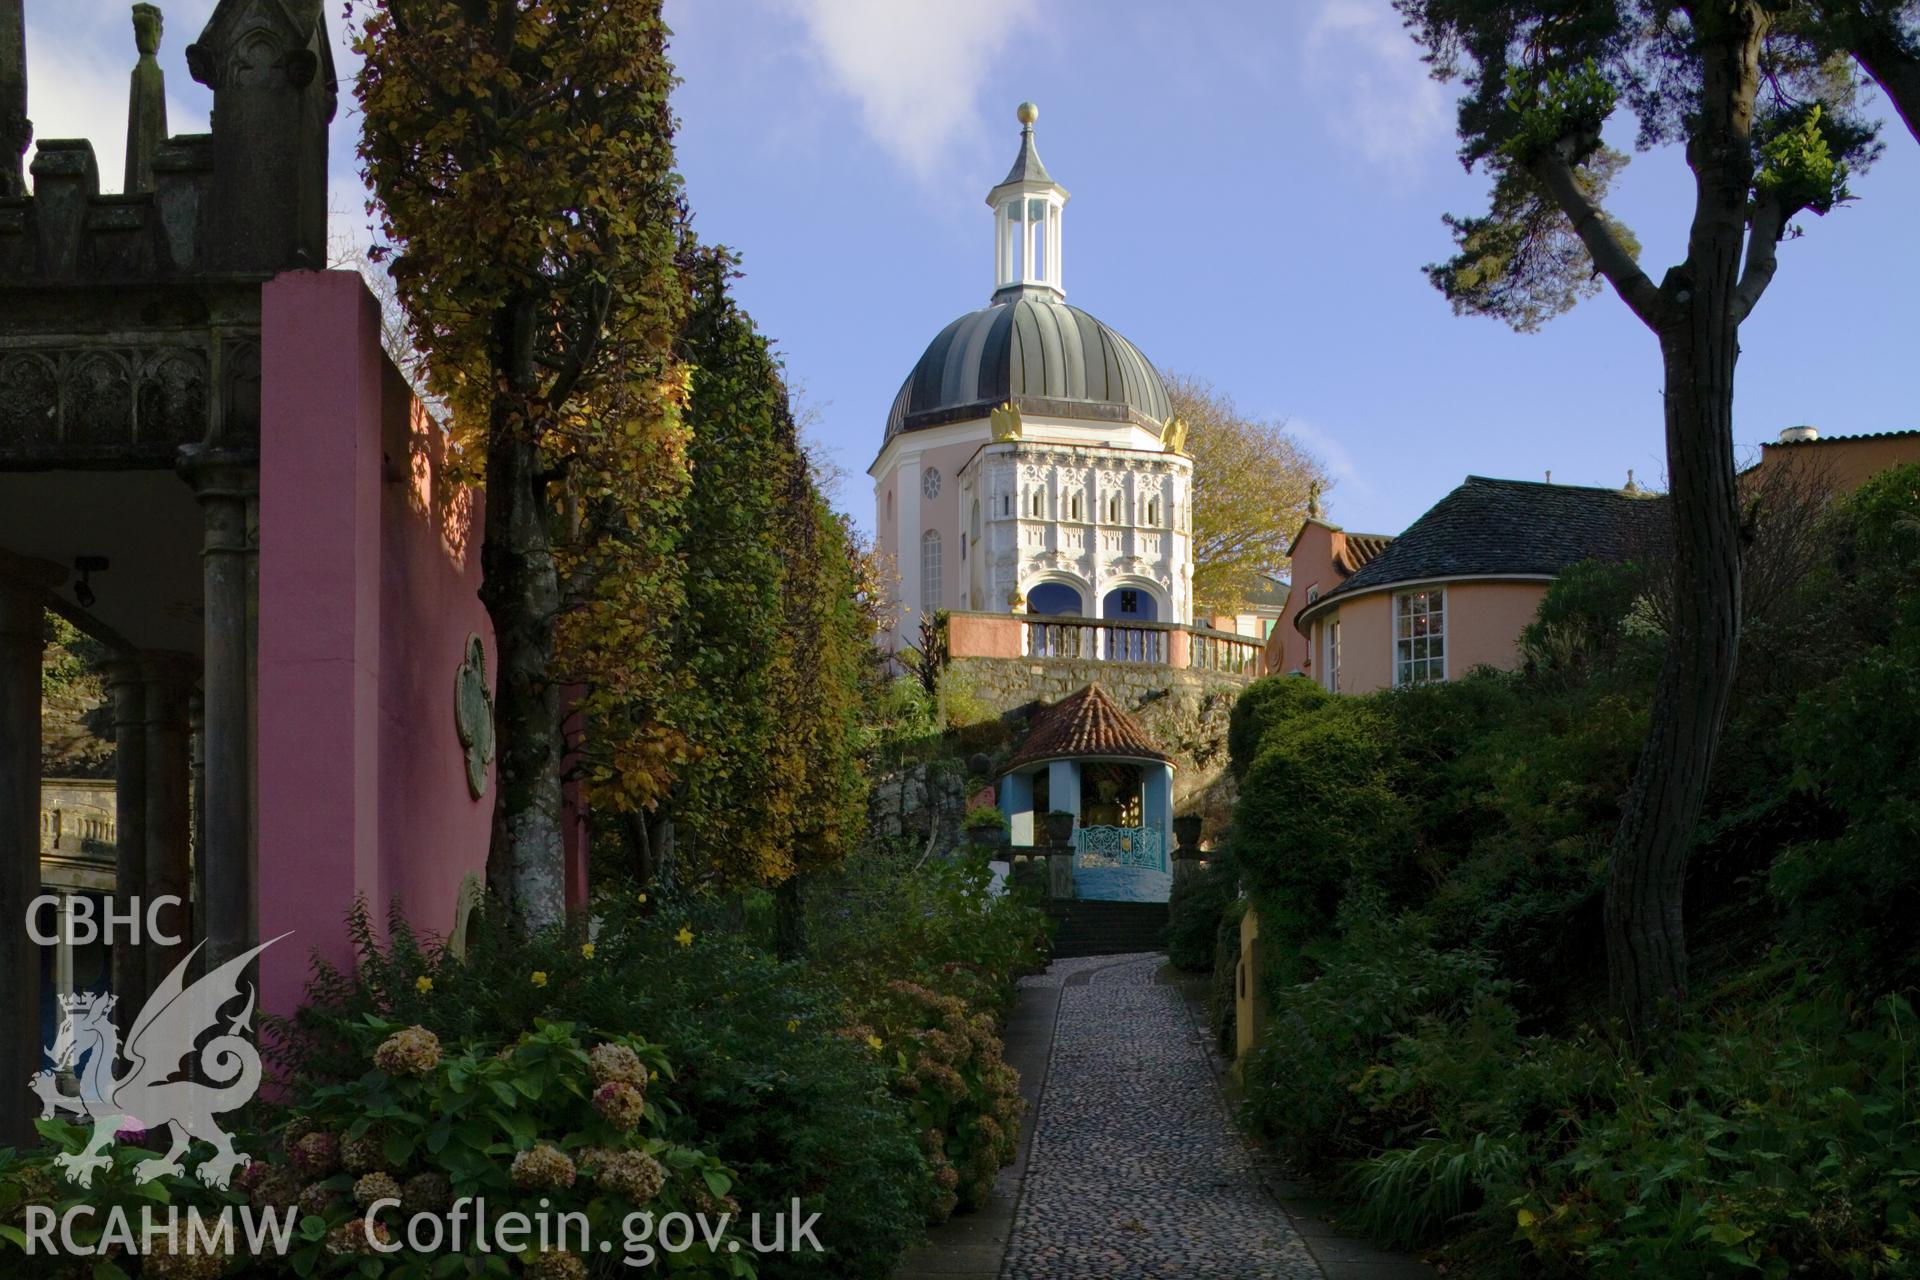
[
  {"x": 525, "y": 865},
  {"x": 790, "y": 918},
  {"x": 1699, "y": 342},
  {"x": 1896, "y": 71},
  {"x": 1646, "y": 939}
]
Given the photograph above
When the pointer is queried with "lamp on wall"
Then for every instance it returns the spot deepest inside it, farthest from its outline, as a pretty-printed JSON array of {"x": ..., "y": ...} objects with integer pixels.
[{"x": 87, "y": 566}]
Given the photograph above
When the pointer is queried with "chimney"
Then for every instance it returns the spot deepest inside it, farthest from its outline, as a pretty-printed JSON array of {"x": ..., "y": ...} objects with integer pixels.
[{"x": 1799, "y": 435}]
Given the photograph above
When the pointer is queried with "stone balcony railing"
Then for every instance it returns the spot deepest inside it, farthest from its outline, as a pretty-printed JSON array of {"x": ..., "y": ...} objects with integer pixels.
[{"x": 1016, "y": 635}]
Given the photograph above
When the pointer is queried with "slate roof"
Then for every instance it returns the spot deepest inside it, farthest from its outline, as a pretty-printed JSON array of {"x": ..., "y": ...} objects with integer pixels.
[
  {"x": 1084, "y": 726},
  {"x": 1026, "y": 165},
  {"x": 1039, "y": 353},
  {"x": 1489, "y": 528}
]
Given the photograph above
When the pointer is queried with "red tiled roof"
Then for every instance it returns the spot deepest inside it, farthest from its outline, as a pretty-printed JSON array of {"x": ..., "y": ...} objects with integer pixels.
[
  {"x": 1864, "y": 435},
  {"x": 1086, "y": 725},
  {"x": 1359, "y": 548}
]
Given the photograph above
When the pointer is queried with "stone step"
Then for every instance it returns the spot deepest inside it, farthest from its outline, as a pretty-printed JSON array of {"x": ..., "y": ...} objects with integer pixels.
[{"x": 1093, "y": 928}]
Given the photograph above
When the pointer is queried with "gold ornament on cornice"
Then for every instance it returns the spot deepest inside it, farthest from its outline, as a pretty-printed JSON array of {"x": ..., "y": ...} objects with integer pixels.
[
  {"x": 1006, "y": 423},
  {"x": 1173, "y": 435}
]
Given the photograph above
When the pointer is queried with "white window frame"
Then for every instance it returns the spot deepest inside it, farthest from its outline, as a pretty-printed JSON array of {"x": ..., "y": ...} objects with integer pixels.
[
  {"x": 1419, "y": 616},
  {"x": 1333, "y": 654},
  {"x": 931, "y": 555}
]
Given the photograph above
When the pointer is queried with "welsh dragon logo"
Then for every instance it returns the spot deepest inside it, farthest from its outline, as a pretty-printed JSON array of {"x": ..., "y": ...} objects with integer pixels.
[{"x": 148, "y": 1096}]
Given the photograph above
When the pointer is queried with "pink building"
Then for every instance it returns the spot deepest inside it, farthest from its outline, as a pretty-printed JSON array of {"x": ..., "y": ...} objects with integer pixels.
[
  {"x": 208, "y": 464},
  {"x": 1453, "y": 591}
]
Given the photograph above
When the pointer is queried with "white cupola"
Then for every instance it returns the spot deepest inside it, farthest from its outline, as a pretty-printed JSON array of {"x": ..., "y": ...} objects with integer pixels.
[{"x": 1026, "y": 221}]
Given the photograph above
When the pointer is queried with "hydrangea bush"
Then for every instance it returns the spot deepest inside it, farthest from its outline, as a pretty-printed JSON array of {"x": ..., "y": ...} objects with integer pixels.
[{"x": 550, "y": 1121}]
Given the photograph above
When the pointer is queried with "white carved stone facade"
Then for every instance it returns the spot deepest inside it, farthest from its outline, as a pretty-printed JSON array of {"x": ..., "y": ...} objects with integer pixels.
[
  {"x": 1096, "y": 519},
  {"x": 1031, "y": 459}
]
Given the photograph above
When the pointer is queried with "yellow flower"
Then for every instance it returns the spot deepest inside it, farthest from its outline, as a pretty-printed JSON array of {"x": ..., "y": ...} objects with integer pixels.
[
  {"x": 643, "y": 898},
  {"x": 875, "y": 1043},
  {"x": 539, "y": 977},
  {"x": 684, "y": 937},
  {"x": 793, "y": 1024},
  {"x": 423, "y": 984},
  {"x": 586, "y": 951}
]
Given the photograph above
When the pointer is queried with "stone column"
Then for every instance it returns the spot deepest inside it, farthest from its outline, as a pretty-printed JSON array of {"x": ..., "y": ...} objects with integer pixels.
[
  {"x": 22, "y": 636},
  {"x": 226, "y": 489},
  {"x": 169, "y": 684},
  {"x": 130, "y": 827},
  {"x": 15, "y": 129},
  {"x": 197, "y": 836},
  {"x": 146, "y": 102}
]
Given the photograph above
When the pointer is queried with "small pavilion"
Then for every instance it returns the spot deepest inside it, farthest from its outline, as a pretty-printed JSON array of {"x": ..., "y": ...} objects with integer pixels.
[{"x": 1085, "y": 756}]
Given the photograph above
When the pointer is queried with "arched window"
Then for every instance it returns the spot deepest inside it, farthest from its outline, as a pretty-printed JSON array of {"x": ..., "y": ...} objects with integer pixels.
[
  {"x": 1037, "y": 503},
  {"x": 1074, "y": 510},
  {"x": 929, "y": 572},
  {"x": 1113, "y": 508},
  {"x": 1153, "y": 512},
  {"x": 1006, "y": 504},
  {"x": 976, "y": 520}
]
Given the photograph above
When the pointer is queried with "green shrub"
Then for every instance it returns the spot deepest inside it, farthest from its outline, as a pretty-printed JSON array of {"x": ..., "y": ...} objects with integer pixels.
[
  {"x": 1307, "y": 1082},
  {"x": 1262, "y": 705},
  {"x": 1779, "y": 1139},
  {"x": 1854, "y": 896},
  {"x": 1194, "y": 913},
  {"x": 1593, "y": 617},
  {"x": 30, "y": 1180},
  {"x": 763, "y": 1077},
  {"x": 1317, "y": 816},
  {"x": 879, "y": 917}
]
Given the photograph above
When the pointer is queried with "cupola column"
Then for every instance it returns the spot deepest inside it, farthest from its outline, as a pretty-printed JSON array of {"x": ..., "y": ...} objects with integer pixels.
[{"x": 1026, "y": 221}]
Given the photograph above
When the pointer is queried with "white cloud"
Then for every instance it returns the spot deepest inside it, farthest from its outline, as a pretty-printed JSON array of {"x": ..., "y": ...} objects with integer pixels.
[
  {"x": 1348, "y": 476},
  {"x": 1367, "y": 70},
  {"x": 914, "y": 66}
]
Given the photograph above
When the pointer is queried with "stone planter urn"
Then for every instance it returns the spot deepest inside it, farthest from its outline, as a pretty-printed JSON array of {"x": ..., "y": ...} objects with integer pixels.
[
  {"x": 1186, "y": 831},
  {"x": 1059, "y": 828}
]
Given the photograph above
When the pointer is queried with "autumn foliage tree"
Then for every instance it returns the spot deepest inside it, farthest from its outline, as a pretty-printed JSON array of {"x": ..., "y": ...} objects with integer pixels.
[
  {"x": 1749, "y": 92},
  {"x": 768, "y": 647},
  {"x": 1253, "y": 483},
  {"x": 521, "y": 155}
]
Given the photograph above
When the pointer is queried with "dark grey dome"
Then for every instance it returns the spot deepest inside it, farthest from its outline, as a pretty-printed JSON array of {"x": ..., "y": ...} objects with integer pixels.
[{"x": 1037, "y": 352}]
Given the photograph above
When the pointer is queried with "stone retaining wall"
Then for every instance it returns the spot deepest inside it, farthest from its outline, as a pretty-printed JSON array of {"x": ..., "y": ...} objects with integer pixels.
[{"x": 1185, "y": 712}]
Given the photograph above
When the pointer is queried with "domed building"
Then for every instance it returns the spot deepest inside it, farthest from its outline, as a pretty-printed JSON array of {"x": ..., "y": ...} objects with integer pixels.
[{"x": 1031, "y": 461}]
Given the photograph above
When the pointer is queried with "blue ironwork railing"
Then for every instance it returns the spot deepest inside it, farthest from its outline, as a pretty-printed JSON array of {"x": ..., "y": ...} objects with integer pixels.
[{"x": 1142, "y": 847}]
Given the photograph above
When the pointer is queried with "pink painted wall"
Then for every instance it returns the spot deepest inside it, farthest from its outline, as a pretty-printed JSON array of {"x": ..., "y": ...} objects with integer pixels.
[
  {"x": 986, "y": 636},
  {"x": 369, "y": 573},
  {"x": 1312, "y": 566},
  {"x": 1484, "y": 619}
]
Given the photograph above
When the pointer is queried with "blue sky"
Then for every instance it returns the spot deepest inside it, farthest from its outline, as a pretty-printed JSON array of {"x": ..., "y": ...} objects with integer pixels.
[{"x": 1255, "y": 187}]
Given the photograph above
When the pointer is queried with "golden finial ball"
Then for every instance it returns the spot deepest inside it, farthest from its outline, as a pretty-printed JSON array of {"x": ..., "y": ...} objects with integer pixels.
[{"x": 1027, "y": 113}]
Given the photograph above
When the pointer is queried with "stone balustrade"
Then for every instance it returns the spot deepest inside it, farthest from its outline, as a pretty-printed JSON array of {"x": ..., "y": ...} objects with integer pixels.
[{"x": 1053, "y": 636}]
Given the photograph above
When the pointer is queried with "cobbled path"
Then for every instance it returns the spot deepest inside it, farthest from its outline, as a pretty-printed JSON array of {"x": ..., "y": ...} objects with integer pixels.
[{"x": 1136, "y": 1171}]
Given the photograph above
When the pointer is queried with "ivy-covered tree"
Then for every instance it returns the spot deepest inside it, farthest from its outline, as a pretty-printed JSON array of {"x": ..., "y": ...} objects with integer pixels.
[
  {"x": 521, "y": 155},
  {"x": 770, "y": 643},
  {"x": 1766, "y": 123},
  {"x": 727, "y": 633}
]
